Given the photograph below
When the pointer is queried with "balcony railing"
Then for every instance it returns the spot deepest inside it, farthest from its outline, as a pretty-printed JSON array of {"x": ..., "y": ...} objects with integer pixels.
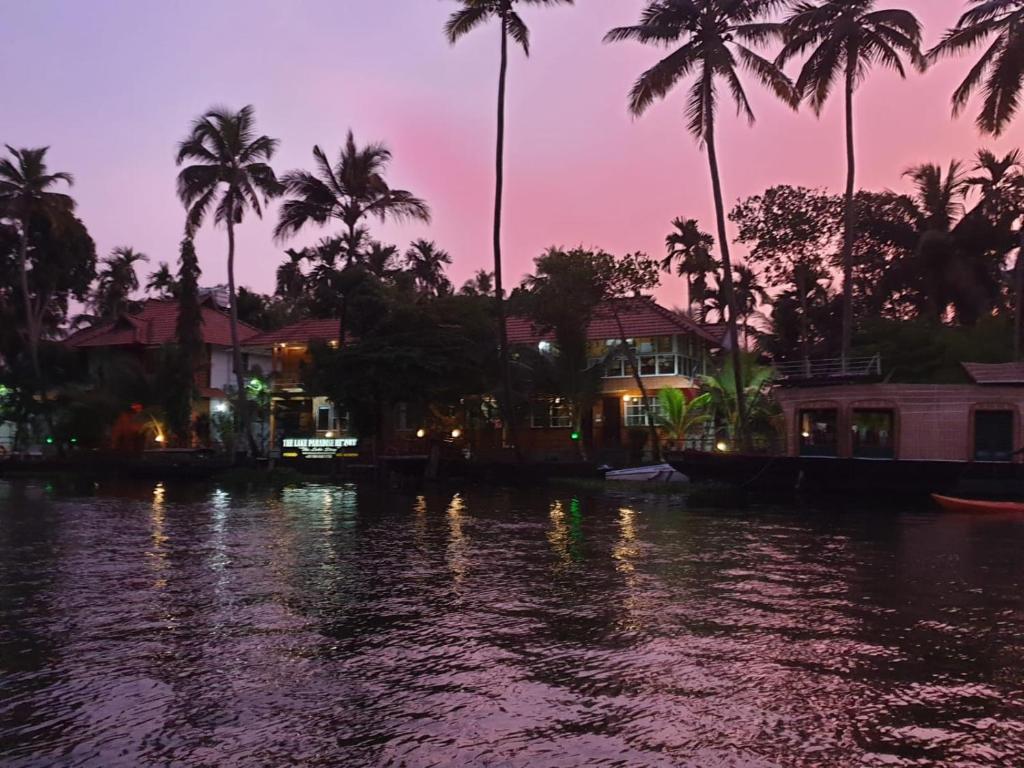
[{"x": 831, "y": 369}]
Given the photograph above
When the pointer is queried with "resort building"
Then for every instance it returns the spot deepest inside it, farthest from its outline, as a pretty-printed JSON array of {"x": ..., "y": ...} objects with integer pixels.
[
  {"x": 670, "y": 349},
  {"x": 979, "y": 420},
  {"x": 134, "y": 342}
]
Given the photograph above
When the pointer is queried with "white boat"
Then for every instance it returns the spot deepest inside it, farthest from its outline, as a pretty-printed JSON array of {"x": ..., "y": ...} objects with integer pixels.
[{"x": 656, "y": 473}]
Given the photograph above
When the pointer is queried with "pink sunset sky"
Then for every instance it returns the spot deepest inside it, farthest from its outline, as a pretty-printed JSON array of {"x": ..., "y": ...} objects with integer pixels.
[{"x": 111, "y": 86}]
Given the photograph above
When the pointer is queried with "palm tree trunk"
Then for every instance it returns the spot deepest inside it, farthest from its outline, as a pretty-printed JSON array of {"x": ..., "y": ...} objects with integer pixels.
[
  {"x": 499, "y": 293},
  {"x": 851, "y": 214},
  {"x": 1018, "y": 295},
  {"x": 631, "y": 357},
  {"x": 30, "y": 325},
  {"x": 805, "y": 342},
  {"x": 242, "y": 416},
  {"x": 727, "y": 284}
]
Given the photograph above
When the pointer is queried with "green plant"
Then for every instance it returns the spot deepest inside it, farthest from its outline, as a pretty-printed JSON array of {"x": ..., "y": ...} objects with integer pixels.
[
  {"x": 681, "y": 417},
  {"x": 760, "y": 414}
]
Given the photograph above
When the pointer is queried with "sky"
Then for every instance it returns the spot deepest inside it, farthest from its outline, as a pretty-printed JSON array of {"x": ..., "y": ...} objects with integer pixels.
[{"x": 112, "y": 85}]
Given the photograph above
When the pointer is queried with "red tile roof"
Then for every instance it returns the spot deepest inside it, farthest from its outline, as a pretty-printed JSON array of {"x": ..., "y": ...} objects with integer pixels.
[
  {"x": 995, "y": 373},
  {"x": 302, "y": 332},
  {"x": 640, "y": 317},
  {"x": 154, "y": 325}
]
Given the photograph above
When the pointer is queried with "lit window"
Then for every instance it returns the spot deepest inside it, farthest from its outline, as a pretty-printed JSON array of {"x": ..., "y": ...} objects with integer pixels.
[
  {"x": 636, "y": 413},
  {"x": 550, "y": 412},
  {"x": 818, "y": 432},
  {"x": 873, "y": 434}
]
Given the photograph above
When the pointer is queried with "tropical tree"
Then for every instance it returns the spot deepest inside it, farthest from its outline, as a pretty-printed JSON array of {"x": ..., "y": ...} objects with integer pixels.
[
  {"x": 118, "y": 280},
  {"x": 26, "y": 191},
  {"x": 999, "y": 73},
  {"x": 723, "y": 402},
  {"x": 289, "y": 279},
  {"x": 185, "y": 359},
  {"x": 481, "y": 284},
  {"x": 681, "y": 416},
  {"x": 349, "y": 192},
  {"x": 710, "y": 43},
  {"x": 229, "y": 169},
  {"x": 748, "y": 296},
  {"x": 380, "y": 260},
  {"x": 472, "y": 14},
  {"x": 426, "y": 263},
  {"x": 689, "y": 251},
  {"x": 162, "y": 282},
  {"x": 843, "y": 40}
]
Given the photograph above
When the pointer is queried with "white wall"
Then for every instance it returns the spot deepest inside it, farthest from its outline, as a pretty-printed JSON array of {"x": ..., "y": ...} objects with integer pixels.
[
  {"x": 7, "y": 430},
  {"x": 222, "y": 369}
]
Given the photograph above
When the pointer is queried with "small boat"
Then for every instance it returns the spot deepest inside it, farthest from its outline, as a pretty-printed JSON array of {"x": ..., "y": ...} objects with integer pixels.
[
  {"x": 657, "y": 473},
  {"x": 976, "y": 506}
]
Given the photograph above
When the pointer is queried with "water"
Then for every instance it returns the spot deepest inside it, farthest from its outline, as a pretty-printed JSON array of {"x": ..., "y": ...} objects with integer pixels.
[{"x": 335, "y": 626}]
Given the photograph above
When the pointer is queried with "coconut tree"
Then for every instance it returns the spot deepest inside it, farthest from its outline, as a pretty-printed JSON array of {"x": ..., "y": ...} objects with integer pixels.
[
  {"x": 426, "y": 263},
  {"x": 843, "y": 40},
  {"x": 289, "y": 279},
  {"x": 118, "y": 280},
  {"x": 349, "y": 191},
  {"x": 472, "y": 14},
  {"x": 689, "y": 251},
  {"x": 228, "y": 169},
  {"x": 162, "y": 282},
  {"x": 26, "y": 190},
  {"x": 999, "y": 73},
  {"x": 710, "y": 43}
]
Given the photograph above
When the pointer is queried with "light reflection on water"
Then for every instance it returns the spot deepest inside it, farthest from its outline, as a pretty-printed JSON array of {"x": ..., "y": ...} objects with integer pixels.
[{"x": 332, "y": 626}]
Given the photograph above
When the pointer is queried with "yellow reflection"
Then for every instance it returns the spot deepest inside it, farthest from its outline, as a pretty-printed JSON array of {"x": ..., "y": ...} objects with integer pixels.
[
  {"x": 626, "y": 550},
  {"x": 419, "y": 511},
  {"x": 158, "y": 539},
  {"x": 558, "y": 536},
  {"x": 456, "y": 539}
]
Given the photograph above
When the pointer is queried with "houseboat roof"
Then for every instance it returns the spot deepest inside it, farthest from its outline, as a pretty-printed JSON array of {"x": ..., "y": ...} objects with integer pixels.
[
  {"x": 302, "y": 332},
  {"x": 995, "y": 373},
  {"x": 154, "y": 325},
  {"x": 641, "y": 316}
]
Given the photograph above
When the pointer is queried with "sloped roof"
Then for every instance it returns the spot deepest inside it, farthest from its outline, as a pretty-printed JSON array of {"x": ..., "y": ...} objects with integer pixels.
[
  {"x": 640, "y": 317},
  {"x": 995, "y": 373},
  {"x": 302, "y": 332},
  {"x": 154, "y": 325}
]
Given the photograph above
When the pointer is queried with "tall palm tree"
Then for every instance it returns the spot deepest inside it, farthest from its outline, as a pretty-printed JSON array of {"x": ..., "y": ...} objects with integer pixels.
[
  {"x": 999, "y": 73},
  {"x": 350, "y": 191},
  {"x": 118, "y": 280},
  {"x": 472, "y": 14},
  {"x": 289, "y": 279},
  {"x": 426, "y": 262},
  {"x": 843, "y": 40},
  {"x": 689, "y": 250},
  {"x": 380, "y": 259},
  {"x": 230, "y": 168},
  {"x": 25, "y": 191},
  {"x": 710, "y": 41}
]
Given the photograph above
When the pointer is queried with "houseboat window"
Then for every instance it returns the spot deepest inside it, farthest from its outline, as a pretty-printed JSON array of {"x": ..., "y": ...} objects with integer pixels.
[
  {"x": 636, "y": 414},
  {"x": 818, "y": 432},
  {"x": 993, "y": 435},
  {"x": 874, "y": 434},
  {"x": 547, "y": 412},
  {"x": 323, "y": 418}
]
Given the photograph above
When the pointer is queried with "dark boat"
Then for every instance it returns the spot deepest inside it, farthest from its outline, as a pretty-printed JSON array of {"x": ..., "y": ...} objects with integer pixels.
[{"x": 789, "y": 475}]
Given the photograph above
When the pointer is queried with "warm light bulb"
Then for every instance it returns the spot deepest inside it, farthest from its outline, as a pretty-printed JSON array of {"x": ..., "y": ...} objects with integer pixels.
[
  {"x": 159, "y": 438},
  {"x": 722, "y": 446},
  {"x": 421, "y": 433},
  {"x": 456, "y": 433}
]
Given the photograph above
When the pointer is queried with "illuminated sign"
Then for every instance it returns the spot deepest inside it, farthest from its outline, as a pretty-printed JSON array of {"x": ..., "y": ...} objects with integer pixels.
[{"x": 318, "y": 447}]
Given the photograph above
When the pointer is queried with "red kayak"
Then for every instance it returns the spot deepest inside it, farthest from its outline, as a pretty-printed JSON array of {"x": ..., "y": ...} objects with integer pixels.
[{"x": 975, "y": 506}]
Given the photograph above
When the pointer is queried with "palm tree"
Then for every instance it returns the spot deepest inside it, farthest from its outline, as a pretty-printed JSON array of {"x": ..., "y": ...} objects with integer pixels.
[
  {"x": 118, "y": 280},
  {"x": 380, "y": 259},
  {"x": 25, "y": 191},
  {"x": 162, "y": 282},
  {"x": 471, "y": 15},
  {"x": 350, "y": 191},
  {"x": 231, "y": 168},
  {"x": 710, "y": 41},
  {"x": 843, "y": 40},
  {"x": 481, "y": 284},
  {"x": 689, "y": 249},
  {"x": 999, "y": 73},
  {"x": 426, "y": 262},
  {"x": 290, "y": 280},
  {"x": 680, "y": 417}
]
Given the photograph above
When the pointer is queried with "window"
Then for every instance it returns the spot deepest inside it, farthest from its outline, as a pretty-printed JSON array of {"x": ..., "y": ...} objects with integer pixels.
[
  {"x": 323, "y": 418},
  {"x": 636, "y": 414},
  {"x": 874, "y": 434},
  {"x": 818, "y": 433},
  {"x": 554, "y": 413},
  {"x": 993, "y": 435}
]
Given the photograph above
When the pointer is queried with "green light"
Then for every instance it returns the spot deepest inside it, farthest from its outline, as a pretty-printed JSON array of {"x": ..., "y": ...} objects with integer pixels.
[
  {"x": 49, "y": 440},
  {"x": 575, "y": 436},
  {"x": 74, "y": 440}
]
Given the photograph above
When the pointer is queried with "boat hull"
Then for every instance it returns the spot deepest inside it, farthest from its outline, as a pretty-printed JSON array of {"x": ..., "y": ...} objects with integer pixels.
[
  {"x": 977, "y": 506},
  {"x": 880, "y": 479}
]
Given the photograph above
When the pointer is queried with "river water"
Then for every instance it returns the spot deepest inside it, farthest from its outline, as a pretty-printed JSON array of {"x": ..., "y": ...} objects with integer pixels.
[{"x": 342, "y": 626}]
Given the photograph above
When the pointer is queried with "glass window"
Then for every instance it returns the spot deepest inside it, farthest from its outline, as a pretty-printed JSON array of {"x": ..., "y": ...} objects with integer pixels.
[
  {"x": 648, "y": 366},
  {"x": 644, "y": 346},
  {"x": 636, "y": 414},
  {"x": 546, "y": 412},
  {"x": 874, "y": 434},
  {"x": 818, "y": 433},
  {"x": 993, "y": 435},
  {"x": 664, "y": 345},
  {"x": 667, "y": 365}
]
